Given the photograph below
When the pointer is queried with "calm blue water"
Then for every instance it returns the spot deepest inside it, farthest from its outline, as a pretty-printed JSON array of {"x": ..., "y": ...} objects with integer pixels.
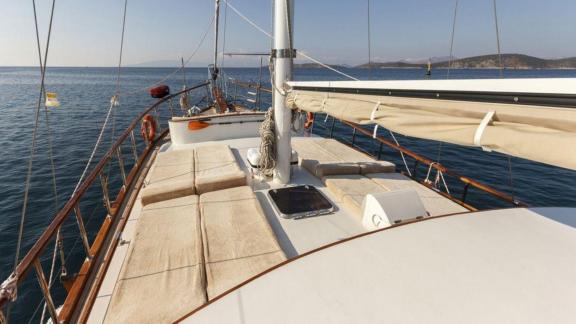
[{"x": 84, "y": 94}]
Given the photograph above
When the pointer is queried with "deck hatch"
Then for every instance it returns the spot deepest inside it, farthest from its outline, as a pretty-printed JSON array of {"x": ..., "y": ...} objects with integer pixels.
[{"x": 300, "y": 201}]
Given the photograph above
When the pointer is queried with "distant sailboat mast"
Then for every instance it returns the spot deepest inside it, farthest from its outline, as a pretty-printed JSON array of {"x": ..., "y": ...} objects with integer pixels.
[{"x": 216, "y": 23}]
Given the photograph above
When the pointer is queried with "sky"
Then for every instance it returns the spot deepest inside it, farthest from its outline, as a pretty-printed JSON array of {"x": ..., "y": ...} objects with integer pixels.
[{"x": 87, "y": 32}]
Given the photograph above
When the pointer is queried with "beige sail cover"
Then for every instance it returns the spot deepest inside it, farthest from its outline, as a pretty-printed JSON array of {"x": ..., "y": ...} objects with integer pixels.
[{"x": 543, "y": 134}]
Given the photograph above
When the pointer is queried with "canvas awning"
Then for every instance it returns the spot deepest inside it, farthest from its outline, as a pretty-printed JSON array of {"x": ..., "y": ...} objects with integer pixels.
[{"x": 532, "y": 119}]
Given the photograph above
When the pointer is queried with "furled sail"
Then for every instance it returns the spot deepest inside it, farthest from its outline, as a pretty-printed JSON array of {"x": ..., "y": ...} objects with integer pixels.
[{"x": 533, "y": 119}]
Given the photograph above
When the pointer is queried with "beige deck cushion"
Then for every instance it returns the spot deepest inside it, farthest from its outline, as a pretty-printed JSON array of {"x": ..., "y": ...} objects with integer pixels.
[
  {"x": 216, "y": 169},
  {"x": 324, "y": 157},
  {"x": 322, "y": 169},
  {"x": 351, "y": 190},
  {"x": 164, "y": 263},
  {"x": 435, "y": 203},
  {"x": 376, "y": 167},
  {"x": 172, "y": 176},
  {"x": 164, "y": 191},
  {"x": 238, "y": 241}
]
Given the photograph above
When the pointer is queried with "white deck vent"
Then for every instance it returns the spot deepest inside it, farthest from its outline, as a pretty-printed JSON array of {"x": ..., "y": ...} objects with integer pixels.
[
  {"x": 253, "y": 157},
  {"x": 384, "y": 209}
]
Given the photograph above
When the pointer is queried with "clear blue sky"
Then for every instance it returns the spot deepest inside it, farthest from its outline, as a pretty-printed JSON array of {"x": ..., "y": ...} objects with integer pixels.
[{"x": 87, "y": 32}]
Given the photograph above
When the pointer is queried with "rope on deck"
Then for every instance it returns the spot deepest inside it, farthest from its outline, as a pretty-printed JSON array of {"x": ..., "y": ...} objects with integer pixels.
[{"x": 267, "y": 161}]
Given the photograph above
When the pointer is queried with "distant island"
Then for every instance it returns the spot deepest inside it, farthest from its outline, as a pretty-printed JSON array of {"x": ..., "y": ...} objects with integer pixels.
[{"x": 509, "y": 61}]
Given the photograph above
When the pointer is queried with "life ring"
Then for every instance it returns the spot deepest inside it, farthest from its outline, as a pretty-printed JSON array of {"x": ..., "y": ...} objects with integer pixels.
[
  {"x": 148, "y": 128},
  {"x": 309, "y": 120}
]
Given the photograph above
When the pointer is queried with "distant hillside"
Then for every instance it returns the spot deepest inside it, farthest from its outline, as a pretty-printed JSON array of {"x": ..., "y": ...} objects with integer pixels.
[
  {"x": 317, "y": 66},
  {"x": 390, "y": 65},
  {"x": 509, "y": 61}
]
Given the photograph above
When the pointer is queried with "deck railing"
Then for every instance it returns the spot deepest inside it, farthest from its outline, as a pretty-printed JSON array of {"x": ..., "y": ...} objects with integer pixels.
[
  {"x": 114, "y": 200},
  {"x": 328, "y": 125},
  {"x": 251, "y": 95}
]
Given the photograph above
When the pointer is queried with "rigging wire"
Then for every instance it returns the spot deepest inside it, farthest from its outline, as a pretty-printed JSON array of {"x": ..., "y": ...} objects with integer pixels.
[
  {"x": 327, "y": 66},
  {"x": 168, "y": 76},
  {"x": 450, "y": 60},
  {"x": 42, "y": 64},
  {"x": 497, "y": 37},
  {"x": 289, "y": 24},
  {"x": 253, "y": 24},
  {"x": 501, "y": 71},
  {"x": 452, "y": 40},
  {"x": 224, "y": 83},
  {"x": 114, "y": 101},
  {"x": 58, "y": 246},
  {"x": 369, "y": 43},
  {"x": 35, "y": 130},
  {"x": 224, "y": 34}
]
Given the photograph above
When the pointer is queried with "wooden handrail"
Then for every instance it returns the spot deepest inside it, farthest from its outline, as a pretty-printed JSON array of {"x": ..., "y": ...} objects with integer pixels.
[{"x": 34, "y": 253}]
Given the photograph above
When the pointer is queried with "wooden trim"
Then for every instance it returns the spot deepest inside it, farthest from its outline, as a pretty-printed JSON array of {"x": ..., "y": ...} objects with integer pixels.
[
  {"x": 324, "y": 247},
  {"x": 107, "y": 258},
  {"x": 82, "y": 276}
]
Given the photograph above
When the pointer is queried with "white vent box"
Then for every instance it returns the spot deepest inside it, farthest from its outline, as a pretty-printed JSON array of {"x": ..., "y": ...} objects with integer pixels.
[
  {"x": 253, "y": 157},
  {"x": 384, "y": 209}
]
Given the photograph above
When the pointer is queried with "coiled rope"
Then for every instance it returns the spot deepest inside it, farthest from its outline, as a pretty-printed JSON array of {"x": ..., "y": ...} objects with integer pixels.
[{"x": 267, "y": 161}]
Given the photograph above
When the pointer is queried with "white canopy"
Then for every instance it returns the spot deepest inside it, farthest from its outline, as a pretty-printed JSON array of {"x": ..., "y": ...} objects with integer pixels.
[{"x": 527, "y": 118}]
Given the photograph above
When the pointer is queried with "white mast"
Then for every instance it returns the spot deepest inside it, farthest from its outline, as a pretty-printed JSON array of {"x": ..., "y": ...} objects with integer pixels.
[
  {"x": 216, "y": 19},
  {"x": 283, "y": 54}
]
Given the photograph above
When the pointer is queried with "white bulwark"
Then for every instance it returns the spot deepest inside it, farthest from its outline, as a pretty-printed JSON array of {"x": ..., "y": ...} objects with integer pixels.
[{"x": 502, "y": 266}]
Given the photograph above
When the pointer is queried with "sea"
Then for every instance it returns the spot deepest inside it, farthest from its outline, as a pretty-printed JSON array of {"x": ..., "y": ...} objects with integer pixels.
[{"x": 84, "y": 95}]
